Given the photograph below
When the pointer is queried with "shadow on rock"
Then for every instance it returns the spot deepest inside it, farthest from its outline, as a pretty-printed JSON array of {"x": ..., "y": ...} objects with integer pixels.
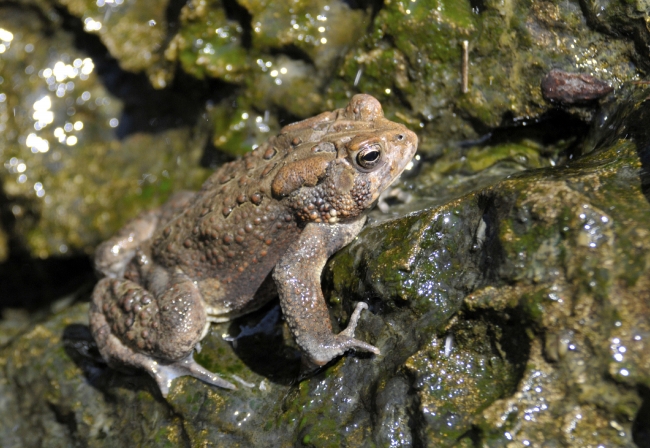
[
  {"x": 261, "y": 343},
  {"x": 641, "y": 426},
  {"x": 80, "y": 346},
  {"x": 626, "y": 117}
]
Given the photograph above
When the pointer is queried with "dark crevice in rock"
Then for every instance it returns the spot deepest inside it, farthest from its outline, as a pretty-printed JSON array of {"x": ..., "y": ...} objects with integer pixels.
[
  {"x": 32, "y": 284},
  {"x": 362, "y": 4},
  {"x": 172, "y": 16},
  {"x": 557, "y": 126},
  {"x": 506, "y": 337},
  {"x": 513, "y": 341},
  {"x": 212, "y": 157},
  {"x": 401, "y": 97},
  {"x": 293, "y": 52},
  {"x": 29, "y": 283},
  {"x": 374, "y": 5},
  {"x": 415, "y": 422},
  {"x": 473, "y": 435},
  {"x": 285, "y": 117},
  {"x": 552, "y": 127},
  {"x": 487, "y": 235},
  {"x": 81, "y": 348},
  {"x": 478, "y": 6},
  {"x": 236, "y": 12},
  {"x": 172, "y": 19},
  {"x": 185, "y": 437},
  {"x": 592, "y": 21},
  {"x": 641, "y": 425},
  {"x": 66, "y": 417}
]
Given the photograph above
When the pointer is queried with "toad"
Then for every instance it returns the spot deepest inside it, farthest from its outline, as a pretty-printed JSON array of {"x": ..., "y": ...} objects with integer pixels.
[{"x": 283, "y": 209}]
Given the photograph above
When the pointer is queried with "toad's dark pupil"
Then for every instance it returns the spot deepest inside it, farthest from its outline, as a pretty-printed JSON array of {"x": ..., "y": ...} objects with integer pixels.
[{"x": 370, "y": 156}]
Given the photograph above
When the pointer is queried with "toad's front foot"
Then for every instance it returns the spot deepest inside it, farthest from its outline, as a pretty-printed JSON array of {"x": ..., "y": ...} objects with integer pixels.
[{"x": 322, "y": 352}]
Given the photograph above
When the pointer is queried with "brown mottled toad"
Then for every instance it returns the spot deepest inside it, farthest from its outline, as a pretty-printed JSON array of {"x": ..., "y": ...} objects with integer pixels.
[{"x": 203, "y": 257}]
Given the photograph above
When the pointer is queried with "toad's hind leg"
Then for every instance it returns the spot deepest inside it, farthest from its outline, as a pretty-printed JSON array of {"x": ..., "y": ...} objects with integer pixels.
[
  {"x": 114, "y": 254},
  {"x": 132, "y": 328}
]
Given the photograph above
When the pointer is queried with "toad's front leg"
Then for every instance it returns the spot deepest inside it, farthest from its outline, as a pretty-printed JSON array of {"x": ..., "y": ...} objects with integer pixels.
[{"x": 297, "y": 276}]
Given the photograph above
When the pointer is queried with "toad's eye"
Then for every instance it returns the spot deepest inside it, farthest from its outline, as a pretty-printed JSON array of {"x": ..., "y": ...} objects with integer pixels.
[
  {"x": 400, "y": 137},
  {"x": 369, "y": 156}
]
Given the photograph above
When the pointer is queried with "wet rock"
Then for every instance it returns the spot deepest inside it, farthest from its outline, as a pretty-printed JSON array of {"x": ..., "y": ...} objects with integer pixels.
[
  {"x": 65, "y": 168},
  {"x": 134, "y": 34},
  {"x": 240, "y": 126},
  {"x": 323, "y": 30},
  {"x": 208, "y": 43},
  {"x": 312, "y": 38},
  {"x": 622, "y": 18}
]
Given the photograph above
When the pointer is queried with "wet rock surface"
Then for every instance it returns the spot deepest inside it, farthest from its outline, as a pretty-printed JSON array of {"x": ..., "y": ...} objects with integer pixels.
[
  {"x": 507, "y": 276},
  {"x": 68, "y": 143}
]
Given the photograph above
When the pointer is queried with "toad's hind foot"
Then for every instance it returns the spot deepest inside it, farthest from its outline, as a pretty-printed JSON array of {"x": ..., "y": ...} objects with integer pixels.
[{"x": 164, "y": 374}]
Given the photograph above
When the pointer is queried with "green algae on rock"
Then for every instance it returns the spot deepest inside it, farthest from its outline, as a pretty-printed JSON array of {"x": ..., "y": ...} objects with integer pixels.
[
  {"x": 458, "y": 376},
  {"x": 239, "y": 127},
  {"x": 133, "y": 32},
  {"x": 41, "y": 385},
  {"x": 209, "y": 44},
  {"x": 281, "y": 63},
  {"x": 323, "y": 30},
  {"x": 300, "y": 45},
  {"x": 629, "y": 18}
]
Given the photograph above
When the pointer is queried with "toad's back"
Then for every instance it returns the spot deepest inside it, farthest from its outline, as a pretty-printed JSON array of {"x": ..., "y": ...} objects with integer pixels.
[{"x": 231, "y": 233}]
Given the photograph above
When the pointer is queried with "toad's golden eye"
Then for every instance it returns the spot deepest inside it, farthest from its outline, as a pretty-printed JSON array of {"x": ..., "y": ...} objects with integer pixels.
[{"x": 369, "y": 156}]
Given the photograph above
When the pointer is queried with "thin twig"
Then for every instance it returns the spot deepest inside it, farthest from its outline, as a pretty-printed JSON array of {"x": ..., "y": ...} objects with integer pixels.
[{"x": 465, "y": 68}]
